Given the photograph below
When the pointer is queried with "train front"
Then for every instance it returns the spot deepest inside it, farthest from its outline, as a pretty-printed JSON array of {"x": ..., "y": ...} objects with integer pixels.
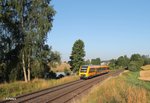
[{"x": 83, "y": 72}]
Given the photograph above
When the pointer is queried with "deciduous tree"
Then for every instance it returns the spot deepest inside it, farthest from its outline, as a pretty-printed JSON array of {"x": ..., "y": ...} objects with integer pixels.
[
  {"x": 24, "y": 25},
  {"x": 123, "y": 61},
  {"x": 136, "y": 61}
]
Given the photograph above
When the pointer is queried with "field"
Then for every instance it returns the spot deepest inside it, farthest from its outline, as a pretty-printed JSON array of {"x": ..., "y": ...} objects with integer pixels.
[
  {"x": 8, "y": 90},
  {"x": 126, "y": 88},
  {"x": 61, "y": 67},
  {"x": 145, "y": 73}
]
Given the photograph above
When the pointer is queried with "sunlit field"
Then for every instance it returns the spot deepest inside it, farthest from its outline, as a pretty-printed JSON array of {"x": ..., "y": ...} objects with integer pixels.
[{"x": 123, "y": 89}]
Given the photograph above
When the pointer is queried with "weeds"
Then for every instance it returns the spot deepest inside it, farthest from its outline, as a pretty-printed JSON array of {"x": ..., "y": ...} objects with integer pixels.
[{"x": 17, "y": 88}]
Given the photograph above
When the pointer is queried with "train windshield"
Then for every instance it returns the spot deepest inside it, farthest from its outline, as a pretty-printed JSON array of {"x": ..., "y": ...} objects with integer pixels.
[{"x": 84, "y": 69}]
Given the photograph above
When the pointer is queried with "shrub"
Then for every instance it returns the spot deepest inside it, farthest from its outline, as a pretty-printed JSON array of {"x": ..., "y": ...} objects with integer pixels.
[{"x": 133, "y": 66}]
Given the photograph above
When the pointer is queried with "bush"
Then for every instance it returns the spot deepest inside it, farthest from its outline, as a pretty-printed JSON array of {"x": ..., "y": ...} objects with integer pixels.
[
  {"x": 134, "y": 65},
  {"x": 50, "y": 75},
  {"x": 38, "y": 70}
]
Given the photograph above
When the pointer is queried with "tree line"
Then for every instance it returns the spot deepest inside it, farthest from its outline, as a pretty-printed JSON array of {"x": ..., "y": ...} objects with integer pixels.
[
  {"x": 24, "y": 25},
  {"x": 96, "y": 61},
  {"x": 133, "y": 63}
]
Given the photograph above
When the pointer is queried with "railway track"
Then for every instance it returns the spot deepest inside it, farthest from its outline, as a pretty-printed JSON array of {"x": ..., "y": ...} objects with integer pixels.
[{"x": 64, "y": 93}]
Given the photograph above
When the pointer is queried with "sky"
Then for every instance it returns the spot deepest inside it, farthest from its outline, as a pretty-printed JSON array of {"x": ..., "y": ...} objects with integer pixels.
[{"x": 108, "y": 28}]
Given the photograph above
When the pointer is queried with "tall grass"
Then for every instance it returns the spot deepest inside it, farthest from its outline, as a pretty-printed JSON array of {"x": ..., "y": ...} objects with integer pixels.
[
  {"x": 8, "y": 90},
  {"x": 132, "y": 79},
  {"x": 118, "y": 90}
]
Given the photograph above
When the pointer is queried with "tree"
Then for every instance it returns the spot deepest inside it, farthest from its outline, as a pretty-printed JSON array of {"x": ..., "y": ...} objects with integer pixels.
[
  {"x": 123, "y": 61},
  {"x": 77, "y": 55},
  {"x": 9, "y": 49},
  {"x": 24, "y": 25},
  {"x": 38, "y": 23},
  {"x": 146, "y": 59},
  {"x": 96, "y": 61},
  {"x": 112, "y": 64},
  {"x": 43, "y": 62},
  {"x": 136, "y": 61}
]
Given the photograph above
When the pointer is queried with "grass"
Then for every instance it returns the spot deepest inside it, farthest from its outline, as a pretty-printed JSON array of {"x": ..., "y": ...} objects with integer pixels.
[
  {"x": 19, "y": 87},
  {"x": 123, "y": 89},
  {"x": 132, "y": 79}
]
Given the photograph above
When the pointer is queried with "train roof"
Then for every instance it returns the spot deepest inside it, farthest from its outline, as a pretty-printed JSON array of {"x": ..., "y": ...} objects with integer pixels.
[{"x": 97, "y": 66}]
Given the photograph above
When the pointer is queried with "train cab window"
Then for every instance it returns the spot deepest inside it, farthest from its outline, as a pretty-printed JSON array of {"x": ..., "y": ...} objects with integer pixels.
[{"x": 84, "y": 69}]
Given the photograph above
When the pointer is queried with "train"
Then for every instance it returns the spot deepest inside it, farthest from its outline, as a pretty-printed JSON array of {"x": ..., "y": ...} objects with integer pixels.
[{"x": 89, "y": 71}]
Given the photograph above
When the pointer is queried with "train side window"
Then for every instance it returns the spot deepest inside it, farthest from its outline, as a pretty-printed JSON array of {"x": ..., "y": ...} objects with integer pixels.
[
  {"x": 99, "y": 69},
  {"x": 92, "y": 70}
]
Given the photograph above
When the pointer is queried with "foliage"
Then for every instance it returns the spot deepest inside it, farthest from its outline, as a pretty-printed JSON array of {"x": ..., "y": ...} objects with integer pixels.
[
  {"x": 133, "y": 63},
  {"x": 77, "y": 55},
  {"x": 96, "y": 61},
  {"x": 54, "y": 59},
  {"x": 3, "y": 71},
  {"x": 146, "y": 59},
  {"x": 123, "y": 61},
  {"x": 50, "y": 75},
  {"x": 24, "y": 25},
  {"x": 136, "y": 61},
  {"x": 133, "y": 66},
  {"x": 45, "y": 57},
  {"x": 112, "y": 64}
]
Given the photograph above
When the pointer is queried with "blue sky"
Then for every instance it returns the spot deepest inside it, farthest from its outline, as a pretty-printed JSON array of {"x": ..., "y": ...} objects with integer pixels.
[{"x": 109, "y": 28}]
